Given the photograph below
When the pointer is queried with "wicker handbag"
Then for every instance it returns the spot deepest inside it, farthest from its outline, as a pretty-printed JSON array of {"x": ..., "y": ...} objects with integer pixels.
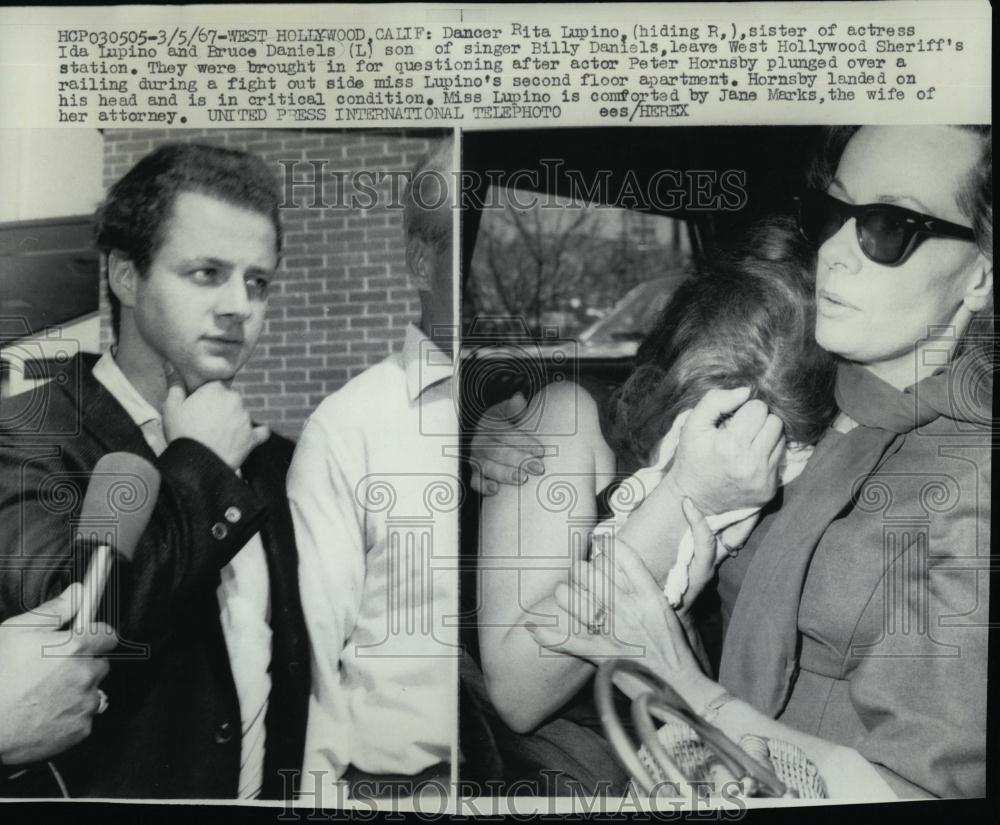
[{"x": 686, "y": 755}]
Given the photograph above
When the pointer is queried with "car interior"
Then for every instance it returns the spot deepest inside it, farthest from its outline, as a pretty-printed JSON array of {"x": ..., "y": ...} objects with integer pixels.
[{"x": 550, "y": 293}]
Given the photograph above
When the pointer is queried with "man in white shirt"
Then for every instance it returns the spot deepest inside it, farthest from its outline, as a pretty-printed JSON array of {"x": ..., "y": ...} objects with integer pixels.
[
  {"x": 374, "y": 492},
  {"x": 215, "y": 707}
]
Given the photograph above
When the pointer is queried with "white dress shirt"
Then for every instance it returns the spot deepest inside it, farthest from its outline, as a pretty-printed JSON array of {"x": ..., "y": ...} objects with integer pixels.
[
  {"x": 243, "y": 596},
  {"x": 373, "y": 489}
]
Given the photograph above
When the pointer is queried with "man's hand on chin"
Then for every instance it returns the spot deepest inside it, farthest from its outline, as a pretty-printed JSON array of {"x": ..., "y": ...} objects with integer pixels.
[{"x": 214, "y": 415}]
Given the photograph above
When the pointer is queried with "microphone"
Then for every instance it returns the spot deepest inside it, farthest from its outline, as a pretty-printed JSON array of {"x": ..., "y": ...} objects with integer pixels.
[
  {"x": 116, "y": 510},
  {"x": 121, "y": 495}
]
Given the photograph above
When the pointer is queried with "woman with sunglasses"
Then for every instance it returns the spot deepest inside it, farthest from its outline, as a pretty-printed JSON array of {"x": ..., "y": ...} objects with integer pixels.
[{"x": 856, "y": 613}]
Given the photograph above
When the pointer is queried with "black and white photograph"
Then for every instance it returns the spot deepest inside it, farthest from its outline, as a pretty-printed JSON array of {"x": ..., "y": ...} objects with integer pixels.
[
  {"x": 479, "y": 411},
  {"x": 728, "y": 401},
  {"x": 224, "y": 493}
]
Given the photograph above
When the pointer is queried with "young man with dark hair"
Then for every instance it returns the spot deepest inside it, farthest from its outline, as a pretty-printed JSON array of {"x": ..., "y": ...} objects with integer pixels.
[{"x": 215, "y": 706}]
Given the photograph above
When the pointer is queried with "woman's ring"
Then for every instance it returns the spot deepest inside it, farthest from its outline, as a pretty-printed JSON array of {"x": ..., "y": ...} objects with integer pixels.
[
  {"x": 596, "y": 624},
  {"x": 730, "y": 551},
  {"x": 102, "y": 701}
]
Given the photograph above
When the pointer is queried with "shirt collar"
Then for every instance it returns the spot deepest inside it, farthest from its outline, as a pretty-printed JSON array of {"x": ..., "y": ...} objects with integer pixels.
[
  {"x": 424, "y": 362},
  {"x": 107, "y": 371}
]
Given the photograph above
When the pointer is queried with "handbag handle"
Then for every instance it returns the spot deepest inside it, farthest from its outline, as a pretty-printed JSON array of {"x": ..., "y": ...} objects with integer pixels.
[{"x": 664, "y": 699}]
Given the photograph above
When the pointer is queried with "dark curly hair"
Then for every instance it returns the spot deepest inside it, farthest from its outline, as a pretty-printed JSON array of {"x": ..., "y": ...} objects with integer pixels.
[
  {"x": 133, "y": 216},
  {"x": 745, "y": 317}
]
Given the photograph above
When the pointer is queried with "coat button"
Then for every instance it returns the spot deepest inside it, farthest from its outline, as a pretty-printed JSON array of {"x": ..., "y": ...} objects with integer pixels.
[
  {"x": 223, "y": 733},
  {"x": 219, "y": 530},
  {"x": 233, "y": 515}
]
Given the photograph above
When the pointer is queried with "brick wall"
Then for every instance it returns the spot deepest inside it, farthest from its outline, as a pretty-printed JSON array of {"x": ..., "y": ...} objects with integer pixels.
[{"x": 342, "y": 297}]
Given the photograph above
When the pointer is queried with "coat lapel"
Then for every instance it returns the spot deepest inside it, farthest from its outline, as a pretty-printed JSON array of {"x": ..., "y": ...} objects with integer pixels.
[
  {"x": 103, "y": 418},
  {"x": 266, "y": 470}
]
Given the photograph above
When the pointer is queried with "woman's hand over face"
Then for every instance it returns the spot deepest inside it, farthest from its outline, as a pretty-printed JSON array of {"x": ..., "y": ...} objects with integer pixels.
[
  {"x": 732, "y": 465},
  {"x": 615, "y": 609}
]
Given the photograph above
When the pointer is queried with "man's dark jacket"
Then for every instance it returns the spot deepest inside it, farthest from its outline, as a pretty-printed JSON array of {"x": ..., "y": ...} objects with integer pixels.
[{"x": 172, "y": 729}]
